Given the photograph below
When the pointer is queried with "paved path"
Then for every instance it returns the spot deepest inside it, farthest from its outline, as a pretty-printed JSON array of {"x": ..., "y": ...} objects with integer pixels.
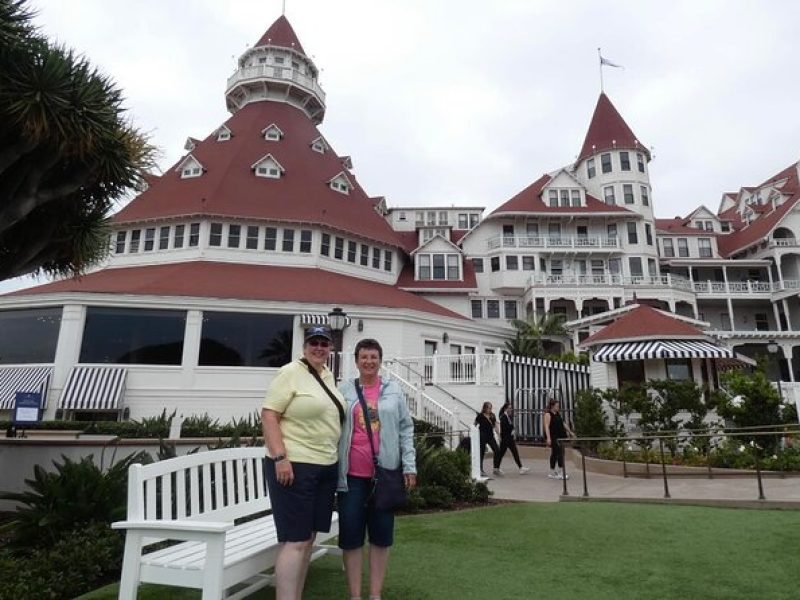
[{"x": 731, "y": 491}]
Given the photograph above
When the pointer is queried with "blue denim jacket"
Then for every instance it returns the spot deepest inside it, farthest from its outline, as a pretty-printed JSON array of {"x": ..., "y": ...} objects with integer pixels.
[{"x": 397, "y": 430}]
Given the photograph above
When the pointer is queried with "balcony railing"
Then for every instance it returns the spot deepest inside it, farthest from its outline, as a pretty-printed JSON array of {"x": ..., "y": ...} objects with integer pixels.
[
  {"x": 783, "y": 242},
  {"x": 669, "y": 281},
  {"x": 558, "y": 241},
  {"x": 276, "y": 73}
]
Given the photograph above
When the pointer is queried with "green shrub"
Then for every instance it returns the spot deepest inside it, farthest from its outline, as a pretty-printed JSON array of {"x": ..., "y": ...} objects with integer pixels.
[
  {"x": 433, "y": 435},
  {"x": 436, "y": 496},
  {"x": 75, "y": 494},
  {"x": 82, "y": 560},
  {"x": 590, "y": 418},
  {"x": 480, "y": 492}
]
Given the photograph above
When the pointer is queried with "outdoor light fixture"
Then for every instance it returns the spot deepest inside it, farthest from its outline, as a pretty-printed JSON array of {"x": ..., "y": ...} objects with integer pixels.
[
  {"x": 360, "y": 325},
  {"x": 772, "y": 347},
  {"x": 337, "y": 319},
  {"x": 445, "y": 338}
]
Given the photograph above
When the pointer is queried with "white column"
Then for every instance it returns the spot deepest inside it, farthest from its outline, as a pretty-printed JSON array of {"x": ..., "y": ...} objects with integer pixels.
[
  {"x": 787, "y": 352},
  {"x": 68, "y": 350},
  {"x": 777, "y": 314},
  {"x": 191, "y": 347},
  {"x": 780, "y": 270},
  {"x": 730, "y": 313},
  {"x": 788, "y": 316}
]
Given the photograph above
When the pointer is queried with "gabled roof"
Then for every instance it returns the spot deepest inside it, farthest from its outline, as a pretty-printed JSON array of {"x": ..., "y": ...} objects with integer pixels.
[
  {"x": 469, "y": 282},
  {"x": 188, "y": 159},
  {"x": 236, "y": 281},
  {"x": 530, "y": 200},
  {"x": 644, "y": 323},
  {"x": 438, "y": 237},
  {"x": 228, "y": 188},
  {"x": 268, "y": 158},
  {"x": 608, "y": 130},
  {"x": 677, "y": 226},
  {"x": 281, "y": 33}
]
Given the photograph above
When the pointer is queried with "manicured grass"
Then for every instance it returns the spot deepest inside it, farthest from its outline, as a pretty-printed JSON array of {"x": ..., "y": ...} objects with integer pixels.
[{"x": 573, "y": 551}]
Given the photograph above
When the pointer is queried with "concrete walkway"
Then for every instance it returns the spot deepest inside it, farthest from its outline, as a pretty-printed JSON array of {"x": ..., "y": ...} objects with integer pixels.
[{"x": 720, "y": 491}]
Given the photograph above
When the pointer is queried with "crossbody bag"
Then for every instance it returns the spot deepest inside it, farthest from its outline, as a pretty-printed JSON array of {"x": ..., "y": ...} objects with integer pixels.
[{"x": 331, "y": 395}]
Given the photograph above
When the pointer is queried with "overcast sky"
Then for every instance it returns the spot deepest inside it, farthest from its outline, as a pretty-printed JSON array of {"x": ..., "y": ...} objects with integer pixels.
[{"x": 462, "y": 102}]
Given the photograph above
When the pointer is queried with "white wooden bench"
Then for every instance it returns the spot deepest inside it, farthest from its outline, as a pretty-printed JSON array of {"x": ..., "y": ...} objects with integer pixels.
[{"x": 199, "y": 501}]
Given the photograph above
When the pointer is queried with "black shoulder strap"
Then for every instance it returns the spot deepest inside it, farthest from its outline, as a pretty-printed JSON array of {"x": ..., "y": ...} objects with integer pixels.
[
  {"x": 333, "y": 398},
  {"x": 365, "y": 410}
]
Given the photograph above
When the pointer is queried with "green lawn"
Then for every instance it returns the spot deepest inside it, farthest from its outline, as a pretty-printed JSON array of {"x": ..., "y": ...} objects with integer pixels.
[{"x": 574, "y": 550}]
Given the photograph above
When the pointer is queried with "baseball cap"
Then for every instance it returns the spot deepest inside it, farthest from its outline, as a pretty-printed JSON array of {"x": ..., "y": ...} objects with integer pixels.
[{"x": 322, "y": 331}]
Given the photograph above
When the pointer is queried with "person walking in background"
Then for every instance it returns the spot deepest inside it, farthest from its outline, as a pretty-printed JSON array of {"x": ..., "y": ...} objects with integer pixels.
[
  {"x": 391, "y": 435},
  {"x": 302, "y": 421},
  {"x": 556, "y": 429},
  {"x": 507, "y": 441},
  {"x": 487, "y": 425}
]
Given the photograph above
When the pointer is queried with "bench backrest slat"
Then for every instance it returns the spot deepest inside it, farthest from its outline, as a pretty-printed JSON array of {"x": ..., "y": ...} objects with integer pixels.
[{"x": 218, "y": 485}]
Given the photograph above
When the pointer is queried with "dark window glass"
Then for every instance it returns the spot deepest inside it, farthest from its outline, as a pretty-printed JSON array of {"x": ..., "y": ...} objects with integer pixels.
[
  {"x": 179, "y": 229},
  {"x": 216, "y": 235},
  {"x": 640, "y": 162},
  {"x": 624, "y": 161},
  {"x": 424, "y": 262},
  {"x": 376, "y": 258},
  {"x": 512, "y": 263},
  {"x": 325, "y": 245},
  {"x": 163, "y": 238},
  {"x": 645, "y": 196},
  {"x": 351, "y": 251},
  {"x": 630, "y": 371},
  {"x": 633, "y": 236},
  {"x": 120, "y": 248},
  {"x": 528, "y": 263},
  {"x": 305, "y": 241},
  {"x": 29, "y": 336},
  {"x": 669, "y": 250},
  {"x": 270, "y": 238},
  {"x": 364, "y": 255},
  {"x": 495, "y": 263},
  {"x": 387, "y": 260},
  {"x": 438, "y": 266},
  {"x": 133, "y": 336},
  {"x": 477, "y": 309},
  {"x": 510, "y": 308},
  {"x": 683, "y": 247},
  {"x": 252, "y": 237},
  {"x": 648, "y": 234},
  {"x": 245, "y": 340},
  {"x": 605, "y": 163},
  {"x": 627, "y": 193},
  {"x": 234, "y": 235},
  {"x": 194, "y": 234},
  {"x": 477, "y": 264},
  {"x": 679, "y": 368},
  {"x": 453, "y": 266},
  {"x": 462, "y": 221},
  {"x": 705, "y": 247},
  {"x": 338, "y": 251},
  {"x": 493, "y": 309},
  {"x": 136, "y": 234},
  {"x": 288, "y": 240},
  {"x": 149, "y": 238},
  {"x": 635, "y": 263},
  {"x": 590, "y": 168}
]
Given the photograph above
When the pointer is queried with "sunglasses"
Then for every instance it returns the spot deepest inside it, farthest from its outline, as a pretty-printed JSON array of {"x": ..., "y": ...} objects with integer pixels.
[{"x": 320, "y": 343}]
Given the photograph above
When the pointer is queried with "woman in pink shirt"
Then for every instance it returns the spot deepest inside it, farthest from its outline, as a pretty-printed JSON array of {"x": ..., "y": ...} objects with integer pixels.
[{"x": 393, "y": 438}]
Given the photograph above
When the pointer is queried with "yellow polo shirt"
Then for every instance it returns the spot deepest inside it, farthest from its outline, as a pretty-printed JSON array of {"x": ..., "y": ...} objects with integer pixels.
[{"x": 309, "y": 419}]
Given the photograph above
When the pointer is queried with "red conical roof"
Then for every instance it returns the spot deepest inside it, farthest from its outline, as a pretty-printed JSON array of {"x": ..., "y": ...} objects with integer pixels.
[
  {"x": 608, "y": 130},
  {"x": 281, "y": 33},
  {"x": 644, "y": 323}
]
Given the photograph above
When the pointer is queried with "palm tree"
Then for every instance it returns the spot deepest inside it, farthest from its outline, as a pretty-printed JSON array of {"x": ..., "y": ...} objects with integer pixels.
[
  {"x": 530, "y": 333},
  {"x": 67, "y": 152}
]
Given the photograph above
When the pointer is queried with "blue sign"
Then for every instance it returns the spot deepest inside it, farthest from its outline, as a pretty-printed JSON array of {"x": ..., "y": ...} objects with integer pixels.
[{"x": 27, "y": 407}]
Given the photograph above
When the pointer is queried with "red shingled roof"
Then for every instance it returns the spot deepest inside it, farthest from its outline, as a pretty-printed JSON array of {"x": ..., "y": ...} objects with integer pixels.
[
  {"x": 280, "y": 33},
  {"x": 229, "y": 188},
  {"x": 608, "y": 130},
  {"x": 242, "y": 282},
  {"x": 678, "y": 226},
  {"x": 530, "y": 200},
  {"x": 644, "y": 323}
]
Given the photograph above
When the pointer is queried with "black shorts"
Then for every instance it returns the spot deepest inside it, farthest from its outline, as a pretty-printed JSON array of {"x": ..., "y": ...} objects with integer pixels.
[{"x": 306, "y": 506}]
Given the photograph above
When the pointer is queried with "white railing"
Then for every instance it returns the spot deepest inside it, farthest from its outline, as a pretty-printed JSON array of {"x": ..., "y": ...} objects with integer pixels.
[
  {"x": 279, "y": 73},
  {"x": 668, "y": 281},
  {"x": 783, "y": 242},
  {"x": 448, "y": 369},
  {"x": 558, "y": 241},
  {"x": 423, "y": 407}
]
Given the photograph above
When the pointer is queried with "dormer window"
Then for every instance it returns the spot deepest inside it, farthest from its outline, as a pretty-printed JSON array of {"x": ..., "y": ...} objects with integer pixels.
[
  {"x": 341, "y": 184},
  {"x": 320, "y": 145},
  {"x": 268, "y": 167},
  {"x": 223, "y": 134},
  {"x": 190, "y": 144},
  {"x": 190, "y": 167},
  {"x": 272, "y": 133}
]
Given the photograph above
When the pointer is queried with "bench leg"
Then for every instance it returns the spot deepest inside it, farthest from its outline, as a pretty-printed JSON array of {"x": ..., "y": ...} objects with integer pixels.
[
  {"x": 131, "y": 567},
  {"x": 212, "y": 579}
]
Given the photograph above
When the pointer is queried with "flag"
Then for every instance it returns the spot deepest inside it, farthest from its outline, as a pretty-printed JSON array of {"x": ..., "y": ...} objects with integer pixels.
[{"x": 608, "y": 63}]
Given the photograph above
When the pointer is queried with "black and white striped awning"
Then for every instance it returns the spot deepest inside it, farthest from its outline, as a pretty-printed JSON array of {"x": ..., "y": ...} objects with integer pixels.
[
  {"x": 660, "y": 349},
  {"x": 308, "y": 319},
  {"x": 93, "y": 388},
  {"x": 23, "y": 379}
]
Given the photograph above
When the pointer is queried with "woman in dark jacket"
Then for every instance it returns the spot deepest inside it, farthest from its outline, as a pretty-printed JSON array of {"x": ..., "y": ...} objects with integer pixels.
[
  {"x": 556, "y": 429},
  {"x": 507, "y": 441},
  {"x": 487, "y": 425}
]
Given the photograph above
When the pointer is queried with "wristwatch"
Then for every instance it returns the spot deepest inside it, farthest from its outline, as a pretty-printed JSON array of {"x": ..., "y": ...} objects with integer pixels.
[{"x": 279, "y": 457}]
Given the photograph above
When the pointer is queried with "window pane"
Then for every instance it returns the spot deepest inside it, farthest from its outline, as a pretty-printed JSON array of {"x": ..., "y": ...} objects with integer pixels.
[
  {"x": 493, "y": 309},
  {"x": 149, "y": 238},
  {"x": 178, "y": 243},
  {"x": 120, "y": 247},
  {"x": 245, "y": 340},
  {"x": 271, "y": 238},
  {"x": 163, "y": 238},
  {"x": 325, "y": 245},
  {"x": 376, "y": 258},
  {"x": 215, "y": 238},
  {"x": 510, "y": 308},
  {"x": 194, "y": 234},
  {"x": 627, "y": 193},
  {"x": 512, "y": 263},
  {"x": 234, "y": 235},
  {"x": 438, "y": 266},
  {"x": 605, "y": 163},
  {"x": 29, "y": 336},
  {"x": 387, "y": 260},
  {"x": 252, "y": 237},
  {"x": 288, "y": 240},
  {"x": 633, "y": 237},
  {"x": 452, "y": 267},
  {"x": 133, "y": 336},
  {"x": 424, "y": 261},
  {"x": 338, "y": 251},
  {"x": 477, "y": 309},
  {"x": 351, "y": 251},
  {"x": 477, "y": 264},
  {"x": 624, "y": 161}
]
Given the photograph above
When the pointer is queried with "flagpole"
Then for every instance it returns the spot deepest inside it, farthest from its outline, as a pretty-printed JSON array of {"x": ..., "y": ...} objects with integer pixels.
[{"x": 600, "y": 61}]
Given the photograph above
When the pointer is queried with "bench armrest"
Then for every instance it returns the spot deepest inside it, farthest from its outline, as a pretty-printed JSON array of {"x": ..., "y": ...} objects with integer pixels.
[{"x": 175, "y": 526}]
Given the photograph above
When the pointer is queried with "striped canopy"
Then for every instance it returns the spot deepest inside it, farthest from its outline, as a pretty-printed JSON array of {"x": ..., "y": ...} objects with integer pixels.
[
  {"x": 23, "y": 379},
  {"x": 93, "y": 388},
  {"x": 656, "y": 349}
]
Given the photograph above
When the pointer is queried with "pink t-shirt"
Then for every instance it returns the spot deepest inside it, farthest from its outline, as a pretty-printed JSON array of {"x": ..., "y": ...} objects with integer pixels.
[{"x": 360, "y": 464}]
